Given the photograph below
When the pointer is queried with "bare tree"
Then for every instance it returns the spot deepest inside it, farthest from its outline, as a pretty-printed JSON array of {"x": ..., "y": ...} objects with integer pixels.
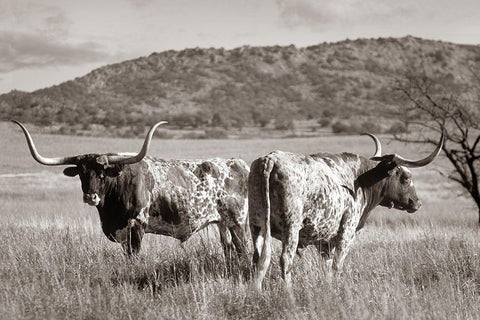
[{"x": 440, "y": 102}]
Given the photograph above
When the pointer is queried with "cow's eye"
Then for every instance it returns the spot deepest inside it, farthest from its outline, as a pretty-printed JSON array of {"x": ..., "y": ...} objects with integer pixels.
[
  {"x": 406, "y": 180},
  {"x": 101, "y": 176}
]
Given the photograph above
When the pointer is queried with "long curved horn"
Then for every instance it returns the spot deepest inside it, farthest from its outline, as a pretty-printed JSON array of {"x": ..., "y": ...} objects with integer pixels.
[
  {"x": 141, "y": 154},
  {"x": 378, "y": 145},
  {"x": 400, "y": 161},
  {"x": 422, "y": 162},
  {"x": 38, "y": 157}
]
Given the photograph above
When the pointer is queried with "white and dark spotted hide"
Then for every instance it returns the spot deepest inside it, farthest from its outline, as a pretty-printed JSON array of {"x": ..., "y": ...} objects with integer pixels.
[
  {"x": 175, "y": 198},
  {"x": 135, "y": 194},
  {"x": 321, "y": 199}
]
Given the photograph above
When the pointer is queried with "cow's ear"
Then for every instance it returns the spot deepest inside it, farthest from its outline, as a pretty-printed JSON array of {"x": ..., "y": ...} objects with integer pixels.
[
  {"x": 385, "y": 158},
  {"x": 387, "y": 164},
  {"x": 70, "y": 171}
]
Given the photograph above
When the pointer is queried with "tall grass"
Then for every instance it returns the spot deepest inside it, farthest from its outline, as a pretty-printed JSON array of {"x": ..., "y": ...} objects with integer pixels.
[
  {"x": 55, "y": 263},
  {"x": 67, "y": 273}
]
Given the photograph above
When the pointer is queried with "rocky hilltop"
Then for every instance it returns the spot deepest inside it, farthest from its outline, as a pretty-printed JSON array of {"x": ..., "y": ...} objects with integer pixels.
[{"x": 242, "y": 87}]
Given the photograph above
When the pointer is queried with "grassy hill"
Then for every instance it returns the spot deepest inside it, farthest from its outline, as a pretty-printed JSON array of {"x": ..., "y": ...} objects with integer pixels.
[{"x": 244, "y": 87}]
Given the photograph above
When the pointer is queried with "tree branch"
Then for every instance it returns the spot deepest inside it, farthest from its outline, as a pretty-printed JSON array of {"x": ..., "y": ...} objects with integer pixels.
[
  {"x": 475, "y": 144},
  {"x": 443, "y": 104}
]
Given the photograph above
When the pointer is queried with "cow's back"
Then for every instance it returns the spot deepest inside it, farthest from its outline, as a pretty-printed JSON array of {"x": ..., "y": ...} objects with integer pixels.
[{"x": 189, "y": 194}]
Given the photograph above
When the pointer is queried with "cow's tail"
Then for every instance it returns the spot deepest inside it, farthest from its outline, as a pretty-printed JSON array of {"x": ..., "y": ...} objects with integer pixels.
[{"x": 261, "y": 211}]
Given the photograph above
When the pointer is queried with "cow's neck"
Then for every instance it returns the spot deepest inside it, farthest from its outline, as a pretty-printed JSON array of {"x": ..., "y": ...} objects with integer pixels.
[
  {"x": 120, "y": 203},
  {"x": 371, "y": 180},
  {"x": 119, "y": 190}
]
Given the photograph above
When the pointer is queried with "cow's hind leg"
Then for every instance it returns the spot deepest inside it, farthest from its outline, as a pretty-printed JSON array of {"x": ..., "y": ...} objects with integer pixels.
[
  {"x": 260, "y": 243},
  {"x": 257, "y": 237},
  {"x": 290, "y": 244}
]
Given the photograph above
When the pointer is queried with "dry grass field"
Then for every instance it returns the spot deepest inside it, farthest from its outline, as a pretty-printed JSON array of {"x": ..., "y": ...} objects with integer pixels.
[{"x": 55, "y": 262}]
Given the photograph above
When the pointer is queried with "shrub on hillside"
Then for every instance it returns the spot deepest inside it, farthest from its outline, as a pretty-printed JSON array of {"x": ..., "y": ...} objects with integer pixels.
[
  {"x": 218, "y": 120},
  {"x": 284, "y": 123},
  {"x": 292, "y": 95},
  {"x": 269, "y": 59},
  {"x": 373, "y": 66},
  {"x": 323, "y": 122},
  {"x": 187, "y": 119},
  {"x": 215, "y": 133},
  {"x": 356, "y": 92},
  {"x": 115, "y": 118},
  {"x": 260, "y": 118},
  {"x": 367, "y": 84},
  {"x": 438, "y": 56},
  {"x": 329, "y": 113},
  {"x": 66, "y": 130},
  {"x": 345, "y": 127},
  {"x": 370, "y": 126},
  {"x": 238, "y": 122}
]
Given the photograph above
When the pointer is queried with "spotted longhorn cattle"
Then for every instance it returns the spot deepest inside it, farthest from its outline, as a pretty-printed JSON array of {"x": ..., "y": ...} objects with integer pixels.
[
  {"x": 323, "y": 199},
  {"x": 136, "y": 194}
]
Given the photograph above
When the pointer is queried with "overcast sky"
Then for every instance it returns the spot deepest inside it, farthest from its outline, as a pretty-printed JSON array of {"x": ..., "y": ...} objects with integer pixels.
[{"x": 46, "y": 42}]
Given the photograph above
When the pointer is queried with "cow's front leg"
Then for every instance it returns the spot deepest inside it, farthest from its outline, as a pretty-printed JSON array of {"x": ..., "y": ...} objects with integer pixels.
[
  {"x": 239, "y": 238},
  {"x": 131, "y": 237},
  {"x": 290, "y": 244}
]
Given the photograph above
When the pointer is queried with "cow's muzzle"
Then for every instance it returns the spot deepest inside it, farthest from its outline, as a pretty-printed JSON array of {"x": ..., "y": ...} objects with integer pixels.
[
  {"x": 91, "y": 199},
  {"x": 413, "y": 205}
]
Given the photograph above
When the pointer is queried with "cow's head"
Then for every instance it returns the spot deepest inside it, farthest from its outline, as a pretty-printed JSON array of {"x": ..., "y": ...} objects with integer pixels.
[
  {"x": 96, "y": 171},
  {"x": 96, "y": 174},
  {"x": 398, "y": 190}
]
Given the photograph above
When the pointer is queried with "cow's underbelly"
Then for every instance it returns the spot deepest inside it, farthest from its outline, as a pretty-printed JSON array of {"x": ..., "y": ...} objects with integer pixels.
[
  {"x": 318, "y": 216},
  {"x": 324, "y": 229},
  {"x": 184, "y": 229},
  {"x": 180, "y": 212},
  {"x": 311, "y": 230}
]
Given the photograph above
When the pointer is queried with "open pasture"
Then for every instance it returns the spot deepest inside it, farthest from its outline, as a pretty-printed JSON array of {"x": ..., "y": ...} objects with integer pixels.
[{"x": 55, "y": 261}]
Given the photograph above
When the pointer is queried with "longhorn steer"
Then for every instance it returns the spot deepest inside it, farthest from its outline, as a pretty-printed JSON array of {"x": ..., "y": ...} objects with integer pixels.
[
  {"x": 135, "y": 194},
  {"x": 323, "y": 199}
]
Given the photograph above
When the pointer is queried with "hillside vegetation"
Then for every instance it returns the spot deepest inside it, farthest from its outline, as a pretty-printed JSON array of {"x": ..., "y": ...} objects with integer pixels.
[{"x": 270, "y": 87}]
